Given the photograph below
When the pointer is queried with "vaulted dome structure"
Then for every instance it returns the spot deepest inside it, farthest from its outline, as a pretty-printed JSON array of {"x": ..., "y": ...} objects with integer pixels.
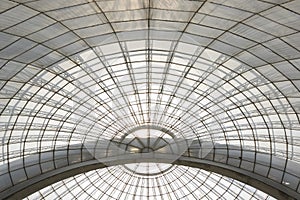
[{"x": 150, "y": 99}]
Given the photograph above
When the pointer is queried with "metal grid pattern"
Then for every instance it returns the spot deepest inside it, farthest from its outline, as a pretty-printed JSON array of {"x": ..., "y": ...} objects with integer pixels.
[
  {"x": 220, "y": 71},
  {"x": 179, "y": 183}
]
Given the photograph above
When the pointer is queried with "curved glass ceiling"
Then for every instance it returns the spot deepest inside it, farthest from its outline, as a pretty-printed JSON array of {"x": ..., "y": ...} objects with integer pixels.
[
  {"x": 210, "y": 82},
  {"x": 180, "y": 183}
]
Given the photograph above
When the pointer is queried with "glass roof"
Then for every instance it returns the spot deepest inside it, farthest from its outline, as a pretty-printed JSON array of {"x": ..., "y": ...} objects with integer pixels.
[
  {"x": 213, "y": 82},
  {"x": 180, "y": 182}
]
